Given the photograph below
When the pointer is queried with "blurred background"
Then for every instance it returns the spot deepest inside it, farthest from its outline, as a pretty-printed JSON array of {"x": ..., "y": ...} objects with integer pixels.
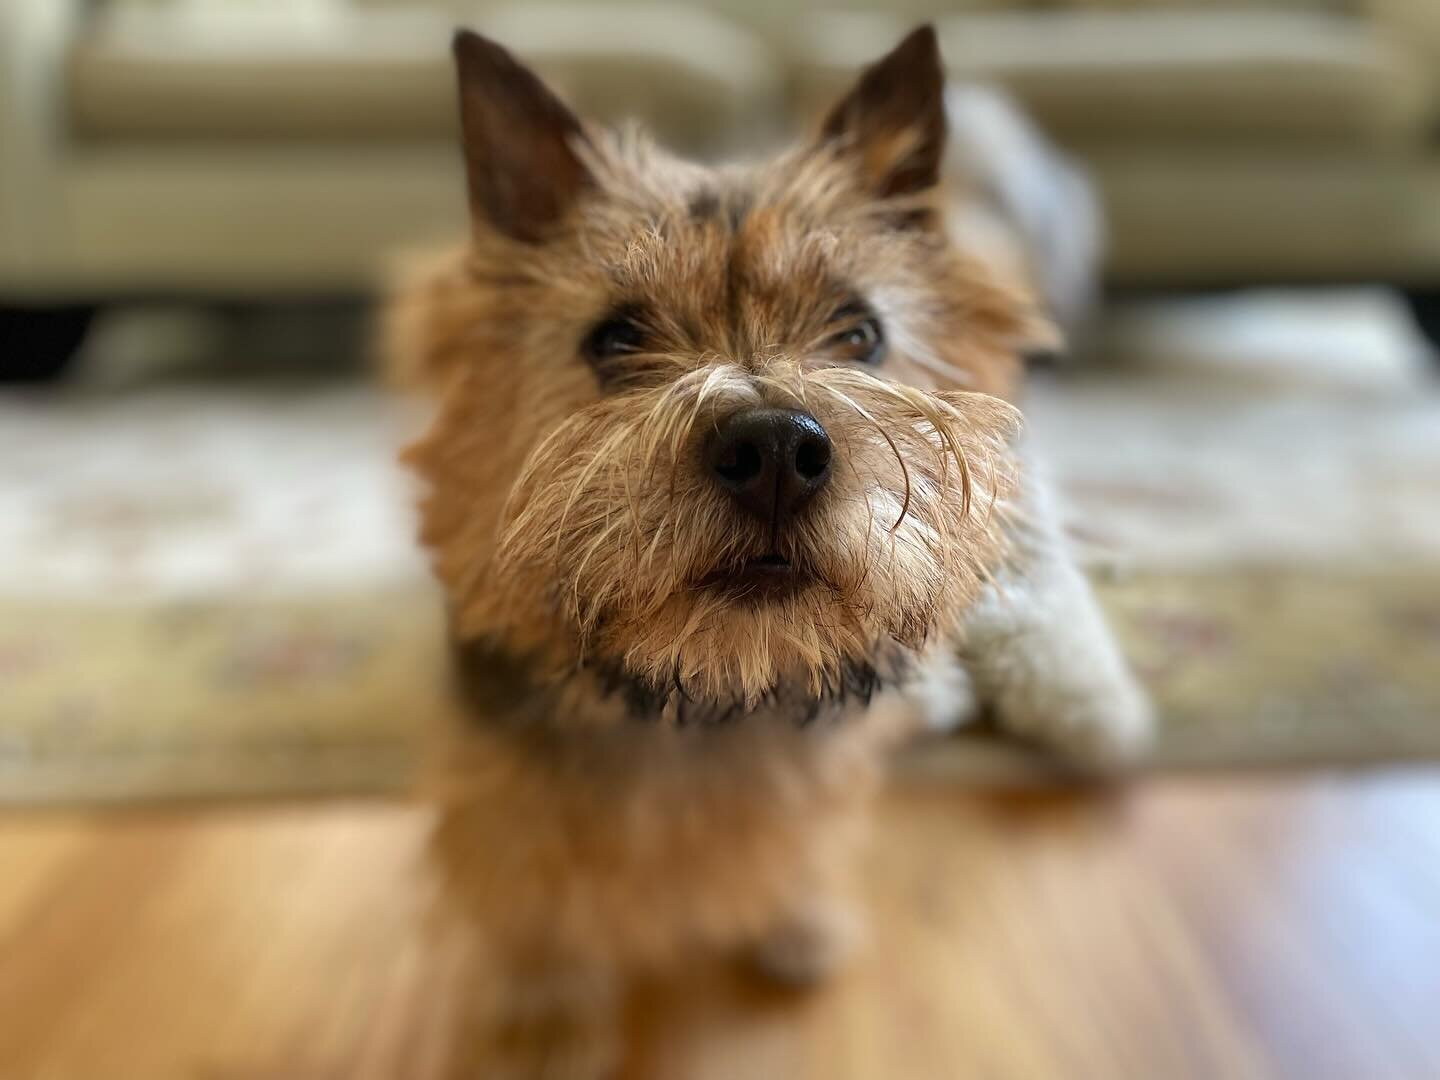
[{"x": 209, "y": 587}]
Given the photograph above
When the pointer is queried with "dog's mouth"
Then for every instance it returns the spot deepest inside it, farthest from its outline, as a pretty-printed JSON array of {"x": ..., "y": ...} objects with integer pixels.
[{"x": 768, "y": 577}]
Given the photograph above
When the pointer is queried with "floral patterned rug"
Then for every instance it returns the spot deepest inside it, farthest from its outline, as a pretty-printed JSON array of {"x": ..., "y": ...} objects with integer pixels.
[
  {"x": 332, "y": 694},
  {"x": 210, "y": 588},
  {"x": 220, "y": 696}
]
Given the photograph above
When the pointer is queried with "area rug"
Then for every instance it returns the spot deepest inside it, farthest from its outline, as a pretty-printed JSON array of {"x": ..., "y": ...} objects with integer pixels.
[
  {"x": 333, "y": 695},
  {"x": 210, "y": 587},
  {"x": 220, "y": 696}
]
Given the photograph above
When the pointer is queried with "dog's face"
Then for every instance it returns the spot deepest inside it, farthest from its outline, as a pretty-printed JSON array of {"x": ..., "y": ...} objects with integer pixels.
[{"x": 725, "y": 433}]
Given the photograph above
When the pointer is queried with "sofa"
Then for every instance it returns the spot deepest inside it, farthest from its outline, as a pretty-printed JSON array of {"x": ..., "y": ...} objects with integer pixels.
[{"x": 256, "y": 148}]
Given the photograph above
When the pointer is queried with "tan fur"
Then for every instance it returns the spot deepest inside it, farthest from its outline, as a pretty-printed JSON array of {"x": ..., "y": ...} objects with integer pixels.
[
  {"x": 574, "y": 530},
  {"x": 498, "y": 334}
]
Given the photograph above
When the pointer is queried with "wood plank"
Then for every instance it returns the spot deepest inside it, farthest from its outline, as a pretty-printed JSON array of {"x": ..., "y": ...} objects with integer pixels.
[{"x": 1182, "y": 928}]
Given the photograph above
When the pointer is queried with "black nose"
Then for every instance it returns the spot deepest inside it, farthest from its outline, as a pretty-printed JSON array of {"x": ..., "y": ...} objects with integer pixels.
[{"x": 771, "y": 460}]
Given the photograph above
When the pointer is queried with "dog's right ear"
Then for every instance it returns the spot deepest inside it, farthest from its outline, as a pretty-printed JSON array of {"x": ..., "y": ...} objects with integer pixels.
[{"x": 519, "y": 141}]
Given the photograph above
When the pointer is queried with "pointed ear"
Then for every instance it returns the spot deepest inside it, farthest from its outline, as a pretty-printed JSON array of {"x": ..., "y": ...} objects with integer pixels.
[
  {"x": 519, "y": 141},
  {"x": 893, "y": 121}
]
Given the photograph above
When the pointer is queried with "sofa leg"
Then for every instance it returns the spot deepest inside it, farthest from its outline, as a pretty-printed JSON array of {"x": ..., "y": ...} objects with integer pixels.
[
  {"x": 38, "y": 343},
  {"x": 1425, "y": 306}
]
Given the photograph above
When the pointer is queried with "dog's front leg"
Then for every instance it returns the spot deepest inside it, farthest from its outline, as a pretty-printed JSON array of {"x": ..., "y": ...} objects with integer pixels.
[
  {"x": 537, "y": 984},
  {"x": 543, "y": 1017},
  {"x": 1040, "y": 654}
]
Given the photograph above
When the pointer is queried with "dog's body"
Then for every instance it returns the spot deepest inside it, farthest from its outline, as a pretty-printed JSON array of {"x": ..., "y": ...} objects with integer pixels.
[{"x": 725, "y": 498}]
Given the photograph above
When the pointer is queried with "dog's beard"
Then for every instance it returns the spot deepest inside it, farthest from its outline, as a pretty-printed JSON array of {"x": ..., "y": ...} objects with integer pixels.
[{"x": 615, "y": 540}]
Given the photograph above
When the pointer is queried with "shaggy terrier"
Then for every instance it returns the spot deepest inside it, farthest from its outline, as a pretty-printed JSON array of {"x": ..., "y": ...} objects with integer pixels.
[{"x": 725, "y": 496}]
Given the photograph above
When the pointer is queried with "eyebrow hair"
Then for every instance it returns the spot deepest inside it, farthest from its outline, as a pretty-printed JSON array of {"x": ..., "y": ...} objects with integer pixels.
[{"x": 854, "y": 306}]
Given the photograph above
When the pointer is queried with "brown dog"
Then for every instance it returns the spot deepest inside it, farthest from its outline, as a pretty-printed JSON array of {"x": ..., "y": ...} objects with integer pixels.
[{"x": 718, "y": 455}]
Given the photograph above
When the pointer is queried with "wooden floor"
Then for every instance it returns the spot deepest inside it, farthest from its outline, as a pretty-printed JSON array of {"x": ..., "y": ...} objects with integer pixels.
[{"x": 1206, "y": 928}]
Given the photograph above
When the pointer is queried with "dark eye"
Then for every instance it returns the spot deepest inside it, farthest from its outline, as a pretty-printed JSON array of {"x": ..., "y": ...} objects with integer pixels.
[
  {"x": 616, "y": 336},
  {"x": 860, "y": 339}
]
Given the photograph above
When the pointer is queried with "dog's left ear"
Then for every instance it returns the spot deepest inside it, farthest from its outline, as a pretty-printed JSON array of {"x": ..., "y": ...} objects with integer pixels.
[{"x": 892, "y": 123}]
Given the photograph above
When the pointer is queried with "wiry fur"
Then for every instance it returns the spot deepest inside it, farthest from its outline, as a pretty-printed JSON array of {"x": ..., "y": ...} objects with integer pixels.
[
  {"x": 608, "y": 528},
  {"x": 610, "y": 534},
  {"x": 585, "y": 553}
]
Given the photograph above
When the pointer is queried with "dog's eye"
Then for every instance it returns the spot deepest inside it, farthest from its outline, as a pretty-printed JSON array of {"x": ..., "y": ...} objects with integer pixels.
[
  {"x": 615, "y": 336},
  {"x": 861, "y": 341}
]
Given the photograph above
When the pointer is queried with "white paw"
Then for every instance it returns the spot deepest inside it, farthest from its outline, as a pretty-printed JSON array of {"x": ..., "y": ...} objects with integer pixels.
[
  {"x": 942, "y": 695},
  {"x": 1102, "y": 723},
  {"x": 1042, "y": 657},
  {"x": 1114, "y": 725}
]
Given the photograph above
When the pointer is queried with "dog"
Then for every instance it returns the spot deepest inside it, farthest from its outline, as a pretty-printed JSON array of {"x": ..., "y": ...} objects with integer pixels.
[{"x": 725, "y": 490}]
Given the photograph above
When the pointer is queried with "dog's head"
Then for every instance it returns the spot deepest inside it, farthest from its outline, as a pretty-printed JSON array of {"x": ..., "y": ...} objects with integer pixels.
[{"x": 721, "y": 432}]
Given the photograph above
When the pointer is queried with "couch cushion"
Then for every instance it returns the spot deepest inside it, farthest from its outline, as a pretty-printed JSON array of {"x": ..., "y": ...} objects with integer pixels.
[
  {"x": 1181, "y": 76},
  {"x": 341, "y": 73}
]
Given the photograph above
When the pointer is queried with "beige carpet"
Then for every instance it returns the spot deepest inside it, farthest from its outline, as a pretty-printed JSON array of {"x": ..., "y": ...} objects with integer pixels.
[
  {"x": 209, "y": 588},
  {"x": 325, "y": 694}
]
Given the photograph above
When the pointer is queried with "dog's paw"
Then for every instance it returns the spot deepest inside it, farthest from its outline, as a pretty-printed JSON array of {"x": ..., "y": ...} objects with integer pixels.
[
  {"x": 942, "y": 695},
  {"x": 809, "y": 947},
  {"x": 548, "y": 1047},
  {"x": 521, "y": 1023},
  {"x": 1109, "y": 728},
  {"x": 1102, "y": 724}
]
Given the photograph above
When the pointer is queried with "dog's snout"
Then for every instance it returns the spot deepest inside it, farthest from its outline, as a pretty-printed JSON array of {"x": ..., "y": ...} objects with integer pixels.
[{"x": 771, "y": 460}]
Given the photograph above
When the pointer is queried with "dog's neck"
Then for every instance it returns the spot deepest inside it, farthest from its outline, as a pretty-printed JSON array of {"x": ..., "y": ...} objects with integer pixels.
[{"x": 503, "y": 689}]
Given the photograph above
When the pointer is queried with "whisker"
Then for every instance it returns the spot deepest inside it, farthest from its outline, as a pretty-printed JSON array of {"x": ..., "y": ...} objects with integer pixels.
[{"x": 894, "y": 449}]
